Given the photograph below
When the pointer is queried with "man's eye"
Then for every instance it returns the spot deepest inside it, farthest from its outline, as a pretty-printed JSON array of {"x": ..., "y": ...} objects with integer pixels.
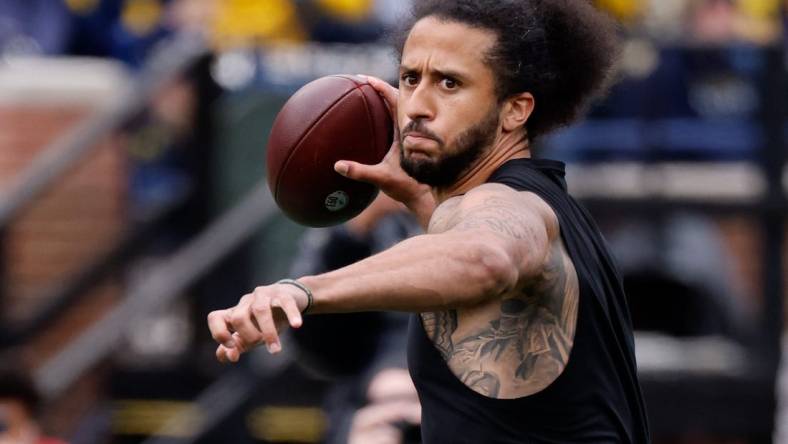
[
  {"x": 409, "y": 80},
  {"x": 450, "y": 84}
]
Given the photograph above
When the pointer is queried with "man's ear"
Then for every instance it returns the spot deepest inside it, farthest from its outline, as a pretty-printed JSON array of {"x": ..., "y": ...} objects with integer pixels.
[{"x": 516, "y": 111}]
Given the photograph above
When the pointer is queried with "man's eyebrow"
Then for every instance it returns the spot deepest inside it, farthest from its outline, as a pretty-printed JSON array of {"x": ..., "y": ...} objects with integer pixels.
[
  {"x": 405, "y": 68},
  {"x": 441, "y": 72},
  {"x": 449, "y": 73}
]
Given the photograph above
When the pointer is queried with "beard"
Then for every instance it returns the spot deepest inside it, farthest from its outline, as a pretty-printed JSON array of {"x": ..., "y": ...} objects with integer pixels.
[{"x": 471, "y": 144}]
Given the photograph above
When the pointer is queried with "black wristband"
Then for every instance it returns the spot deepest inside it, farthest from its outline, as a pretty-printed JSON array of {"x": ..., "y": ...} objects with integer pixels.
[{"x": 304, "y": 288}]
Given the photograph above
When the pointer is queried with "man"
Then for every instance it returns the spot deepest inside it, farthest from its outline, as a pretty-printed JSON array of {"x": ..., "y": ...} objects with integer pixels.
[{"x": 522, "y": 332}]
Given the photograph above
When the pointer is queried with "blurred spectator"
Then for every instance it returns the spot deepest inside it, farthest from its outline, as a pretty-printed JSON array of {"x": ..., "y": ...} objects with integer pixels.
[
  {"x": 19, "y": 406},
  {"x": 123, "y": 29},
  {"x": 193, "y": 15},
  {"x": 680, "y": 278},
  {"x": 160, "y": 148},
  {"x": 781, "y": 414},
  {"x": 129, "y": 29},
  {"x": 393, "y": 412},
  {"x": 759, "y": 21},
  {"x": 33, "y": 27},
  {"x": 139, "y": 27},
  {"x": 664, "y": 20},
  {"x": 712, "y": 21},
  {"x": 708, "y": 22},
  {"x": 248, "y": 23},
  {"x": 370, "y": 368},
  {"x": 342, "y": 21},
  {"x": 170, "y": 148}
]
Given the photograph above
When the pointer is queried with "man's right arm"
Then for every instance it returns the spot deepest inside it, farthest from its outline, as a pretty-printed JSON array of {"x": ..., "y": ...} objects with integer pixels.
[{"x": 497, "y": 239}]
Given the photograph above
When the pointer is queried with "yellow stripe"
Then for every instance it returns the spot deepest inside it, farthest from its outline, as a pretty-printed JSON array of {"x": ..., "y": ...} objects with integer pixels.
[
  {"x": 147, "y": 417},
  {"x": 287, "y": 424}
]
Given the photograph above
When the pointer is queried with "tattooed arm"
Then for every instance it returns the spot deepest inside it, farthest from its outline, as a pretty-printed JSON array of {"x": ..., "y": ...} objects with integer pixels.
[
  {"x": 511, "y": 338},
  {"x": 479, "y": 247},
  {"x": 519, "y": 344},
  {"x": 524, "y": 343}
]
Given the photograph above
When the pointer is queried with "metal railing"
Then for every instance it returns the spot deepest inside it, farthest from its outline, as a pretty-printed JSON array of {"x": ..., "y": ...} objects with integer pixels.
[
  {"x": 65, "y": 152},
  {"x": 62, "y": 295},
  {"x": 157, "y": 290}
]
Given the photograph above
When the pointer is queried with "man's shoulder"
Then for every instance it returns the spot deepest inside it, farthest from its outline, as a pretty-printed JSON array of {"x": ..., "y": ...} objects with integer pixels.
[
  {"x": 495, "y": 201},
  {"x": 503, "y": 198}
]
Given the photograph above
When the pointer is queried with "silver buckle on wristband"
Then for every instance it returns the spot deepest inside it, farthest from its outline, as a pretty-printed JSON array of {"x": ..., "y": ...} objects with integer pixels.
[{"x": 304, "y": 288}]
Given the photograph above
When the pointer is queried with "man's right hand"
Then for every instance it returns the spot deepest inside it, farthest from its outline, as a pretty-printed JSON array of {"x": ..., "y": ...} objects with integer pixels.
[
  {"x": 258, "y": 318},
  {"x": 388, "y": 175}
]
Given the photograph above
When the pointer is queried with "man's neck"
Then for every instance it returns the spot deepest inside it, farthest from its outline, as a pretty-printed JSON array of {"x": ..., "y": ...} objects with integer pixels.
[{"x": 504, "y": 151}]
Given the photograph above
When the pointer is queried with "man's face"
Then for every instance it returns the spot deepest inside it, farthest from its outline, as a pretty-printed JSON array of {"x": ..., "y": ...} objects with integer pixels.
[{"x": 448, "y": 112}]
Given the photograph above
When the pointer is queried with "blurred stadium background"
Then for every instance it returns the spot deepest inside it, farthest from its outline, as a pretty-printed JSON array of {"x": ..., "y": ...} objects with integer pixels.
[{"x": 132, "y": 203}]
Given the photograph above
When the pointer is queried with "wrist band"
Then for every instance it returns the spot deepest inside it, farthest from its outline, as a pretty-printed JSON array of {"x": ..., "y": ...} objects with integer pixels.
[{"x": 304, "y": 288}]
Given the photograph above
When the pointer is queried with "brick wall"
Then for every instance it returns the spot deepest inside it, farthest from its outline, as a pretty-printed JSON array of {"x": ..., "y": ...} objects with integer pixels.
[{"x": 75, "y": 219}]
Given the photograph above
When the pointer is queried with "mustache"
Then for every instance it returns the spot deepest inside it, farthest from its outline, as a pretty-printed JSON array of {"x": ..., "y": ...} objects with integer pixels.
[{"x": 417, "y": 126}]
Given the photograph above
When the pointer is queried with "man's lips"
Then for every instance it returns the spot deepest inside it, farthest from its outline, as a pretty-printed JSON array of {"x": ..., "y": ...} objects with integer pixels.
[
  {"x": 417, "y": 135},
  {"x": 419, "y": 143}
]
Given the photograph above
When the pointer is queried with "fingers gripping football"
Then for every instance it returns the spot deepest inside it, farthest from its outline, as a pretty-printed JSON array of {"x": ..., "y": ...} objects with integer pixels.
[{"x": 388, "y": 174}]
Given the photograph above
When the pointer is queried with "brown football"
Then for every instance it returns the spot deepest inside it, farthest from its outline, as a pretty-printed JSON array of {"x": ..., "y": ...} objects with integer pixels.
[{"x": 333, "y": 118}]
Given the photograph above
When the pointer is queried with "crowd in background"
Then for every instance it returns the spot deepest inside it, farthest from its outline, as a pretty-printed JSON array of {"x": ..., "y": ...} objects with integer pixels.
[
  {"x": 700, "y": 21},
  {"x": 127, "y": 29}
]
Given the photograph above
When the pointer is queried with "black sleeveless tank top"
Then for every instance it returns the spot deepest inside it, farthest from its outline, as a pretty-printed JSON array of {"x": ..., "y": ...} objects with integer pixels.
[{"x": 597, "y": 399}]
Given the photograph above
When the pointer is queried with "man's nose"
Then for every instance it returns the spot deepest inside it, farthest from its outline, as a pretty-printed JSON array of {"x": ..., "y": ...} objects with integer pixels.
[{"x": 420, "y": 104}]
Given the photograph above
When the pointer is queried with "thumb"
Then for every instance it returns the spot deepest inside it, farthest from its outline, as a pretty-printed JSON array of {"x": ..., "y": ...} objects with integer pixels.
[{"x": 359, "y": 171}]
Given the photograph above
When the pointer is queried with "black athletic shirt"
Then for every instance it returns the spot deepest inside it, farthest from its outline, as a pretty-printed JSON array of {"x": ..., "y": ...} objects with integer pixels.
[{"x": 597, "y": 399}]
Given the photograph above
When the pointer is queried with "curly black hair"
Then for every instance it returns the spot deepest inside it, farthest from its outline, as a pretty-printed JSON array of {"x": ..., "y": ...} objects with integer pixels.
[{"x": 561, "y": 51}]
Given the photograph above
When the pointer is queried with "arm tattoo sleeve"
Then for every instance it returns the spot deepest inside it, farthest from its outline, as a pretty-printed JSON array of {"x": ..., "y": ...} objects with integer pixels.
[
  {"x": 439, "y": 327},
  {"x": 526, "y": 347},
  {"x": 505, "y": 219},
  {"x": 522, "y": 342}
]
